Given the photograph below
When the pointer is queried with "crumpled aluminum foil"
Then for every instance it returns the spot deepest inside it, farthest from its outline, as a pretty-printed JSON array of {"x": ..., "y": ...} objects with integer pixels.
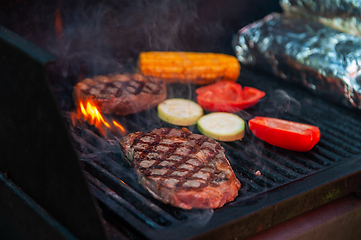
[
  {"x": 326, "y": 61},
  {"x": 343, "y": 15}
]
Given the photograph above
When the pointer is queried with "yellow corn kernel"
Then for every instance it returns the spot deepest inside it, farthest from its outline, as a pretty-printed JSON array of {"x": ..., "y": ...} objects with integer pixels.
[{"x": 189, "y": 67}]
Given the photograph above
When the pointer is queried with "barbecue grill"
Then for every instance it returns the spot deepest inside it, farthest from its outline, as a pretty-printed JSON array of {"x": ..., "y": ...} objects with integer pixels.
[{"x": 61, "y": 180}]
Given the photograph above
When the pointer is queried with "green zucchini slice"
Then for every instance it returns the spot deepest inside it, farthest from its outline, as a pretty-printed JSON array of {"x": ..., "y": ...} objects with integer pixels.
[
  {"x": 222, "y": 126},
  {"x": 179, "y": 111}
]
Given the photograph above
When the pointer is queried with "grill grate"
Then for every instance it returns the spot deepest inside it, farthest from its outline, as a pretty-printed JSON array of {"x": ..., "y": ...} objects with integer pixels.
[{"x": 114, "y": 182}]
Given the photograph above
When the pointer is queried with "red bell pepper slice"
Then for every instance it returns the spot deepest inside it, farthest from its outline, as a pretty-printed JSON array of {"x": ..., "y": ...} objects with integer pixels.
[
  {"x": 285, "y": 134},
  {"x": 227, "y": 96}
]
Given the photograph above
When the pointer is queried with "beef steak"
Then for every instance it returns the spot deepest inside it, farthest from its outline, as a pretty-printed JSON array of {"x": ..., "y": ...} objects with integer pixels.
[
  {"x": 121, "y": 94},
  {"x": 181, "y": 168}
]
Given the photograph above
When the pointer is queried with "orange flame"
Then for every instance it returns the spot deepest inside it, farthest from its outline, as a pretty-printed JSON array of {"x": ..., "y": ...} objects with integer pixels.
[
  {"x": 89, "y": 112},
  {"x": 92, "y": 115},
  {"x": 119, "y": 126}
]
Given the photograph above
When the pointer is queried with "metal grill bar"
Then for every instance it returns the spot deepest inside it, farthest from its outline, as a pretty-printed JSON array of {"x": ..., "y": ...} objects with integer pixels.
[{"x": 114, "y": 182}]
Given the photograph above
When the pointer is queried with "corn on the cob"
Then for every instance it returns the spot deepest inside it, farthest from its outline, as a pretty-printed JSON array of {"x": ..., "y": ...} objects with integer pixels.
[{"x": 189, "y": 67}]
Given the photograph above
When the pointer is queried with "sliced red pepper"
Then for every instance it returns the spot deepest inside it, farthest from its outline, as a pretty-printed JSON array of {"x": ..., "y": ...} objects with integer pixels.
[
  {"x": 285, "y": 134},
  {"x": 227, "y": 96}
]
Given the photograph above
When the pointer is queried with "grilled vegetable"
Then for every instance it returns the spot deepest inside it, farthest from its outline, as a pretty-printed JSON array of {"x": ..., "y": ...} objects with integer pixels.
[
  {"x": 285, "y": 134},
  {"x": 189, "y": 67},
  {"x": 221, "y": 126},
  {"x": 227, "y": 96},
  {"x": 179, "y": 111}
]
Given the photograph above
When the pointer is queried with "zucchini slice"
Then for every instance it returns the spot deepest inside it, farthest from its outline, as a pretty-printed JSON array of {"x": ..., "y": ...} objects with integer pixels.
[
  {"x": 179, "y": 111},
  {"x": 222, "y": 126}
]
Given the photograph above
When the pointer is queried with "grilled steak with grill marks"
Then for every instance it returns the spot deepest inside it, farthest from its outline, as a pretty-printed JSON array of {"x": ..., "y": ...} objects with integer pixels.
[
  {"x": 181, "y": 168},
  {"x": 121, "y": 94}
]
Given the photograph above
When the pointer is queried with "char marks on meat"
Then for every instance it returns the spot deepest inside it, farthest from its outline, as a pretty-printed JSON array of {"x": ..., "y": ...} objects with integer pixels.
[
  {"x": 181, "y": 168},
  {"x": 121, "y": 94}
]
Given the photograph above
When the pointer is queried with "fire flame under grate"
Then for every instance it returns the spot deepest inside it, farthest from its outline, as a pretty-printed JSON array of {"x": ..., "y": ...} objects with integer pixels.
[{"x": 259, "y": 167}]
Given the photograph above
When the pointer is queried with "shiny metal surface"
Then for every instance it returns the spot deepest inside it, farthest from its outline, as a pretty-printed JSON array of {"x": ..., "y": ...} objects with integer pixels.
[
  {"x": 322, "y": 59},
  {"x": 344, "y": 15}
]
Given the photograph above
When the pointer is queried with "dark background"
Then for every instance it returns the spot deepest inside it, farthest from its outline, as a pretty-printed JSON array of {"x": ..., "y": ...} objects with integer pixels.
[{"x": 102, "y": 36}]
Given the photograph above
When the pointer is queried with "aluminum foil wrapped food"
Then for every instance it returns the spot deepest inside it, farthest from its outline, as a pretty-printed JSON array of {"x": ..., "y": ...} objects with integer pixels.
[
  {"x": 344, "y": 15},
  {"x": 324, "y": 60}
]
